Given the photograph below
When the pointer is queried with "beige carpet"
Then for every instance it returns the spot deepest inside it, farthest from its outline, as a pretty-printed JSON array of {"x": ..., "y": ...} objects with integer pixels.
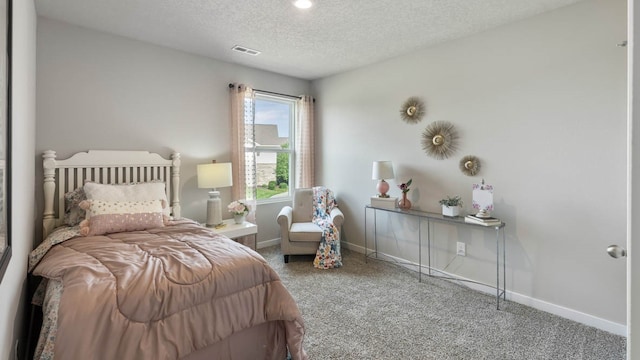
[{"x": 377, "y": 310}]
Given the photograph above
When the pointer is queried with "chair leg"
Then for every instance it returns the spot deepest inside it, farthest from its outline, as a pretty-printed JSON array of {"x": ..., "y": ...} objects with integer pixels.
[{"x": 286, "y": 259}]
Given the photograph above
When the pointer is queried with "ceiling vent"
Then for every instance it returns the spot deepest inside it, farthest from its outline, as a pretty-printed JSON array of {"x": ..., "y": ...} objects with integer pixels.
[{"x": 245, "y": 50}]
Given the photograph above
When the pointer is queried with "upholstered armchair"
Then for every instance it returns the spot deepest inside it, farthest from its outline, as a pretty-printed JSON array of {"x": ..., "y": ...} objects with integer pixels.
[{"x": 300, "y": 236}]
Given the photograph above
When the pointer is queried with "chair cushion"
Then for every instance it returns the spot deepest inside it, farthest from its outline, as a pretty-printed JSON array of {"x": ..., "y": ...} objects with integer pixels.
[
  {"x": 305, "y": 231},
  {"x": 303, "y": 205}
]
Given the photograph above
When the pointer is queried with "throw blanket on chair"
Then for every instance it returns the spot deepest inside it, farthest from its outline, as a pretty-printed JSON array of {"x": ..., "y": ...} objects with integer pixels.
[{"x": 328, "y": 254}]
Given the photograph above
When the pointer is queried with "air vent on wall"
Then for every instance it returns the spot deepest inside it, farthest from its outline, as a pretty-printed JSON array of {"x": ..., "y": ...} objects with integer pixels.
[{"x": 245, "y": 50}]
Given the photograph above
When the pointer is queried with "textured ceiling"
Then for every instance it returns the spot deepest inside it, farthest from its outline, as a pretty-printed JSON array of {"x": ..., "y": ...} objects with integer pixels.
[{"x": 331, "y": 37}]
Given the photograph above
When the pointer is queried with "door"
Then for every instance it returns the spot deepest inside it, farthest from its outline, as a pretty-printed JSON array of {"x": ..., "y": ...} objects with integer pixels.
[{"x": 633, "y": 186}]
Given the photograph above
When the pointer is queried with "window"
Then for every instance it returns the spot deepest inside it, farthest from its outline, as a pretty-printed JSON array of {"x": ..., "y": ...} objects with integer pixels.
[{"x": 273, "y": 146}]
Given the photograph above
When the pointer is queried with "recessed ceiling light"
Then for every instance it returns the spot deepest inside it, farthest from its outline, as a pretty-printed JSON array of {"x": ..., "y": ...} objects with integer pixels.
[{"x": 302, "y": 4}]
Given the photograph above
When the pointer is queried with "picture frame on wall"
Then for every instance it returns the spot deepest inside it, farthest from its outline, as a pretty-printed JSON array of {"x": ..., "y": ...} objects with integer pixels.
[{"x": 5, "y": 134}]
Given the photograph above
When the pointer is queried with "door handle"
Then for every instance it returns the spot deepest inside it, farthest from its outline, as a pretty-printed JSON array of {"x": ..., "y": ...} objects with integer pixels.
[{"x": 616, "y": 251}]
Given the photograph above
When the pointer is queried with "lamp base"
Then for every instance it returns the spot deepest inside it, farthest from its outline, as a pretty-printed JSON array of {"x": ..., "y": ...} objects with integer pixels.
[
  {"x": 214, "y": 212},
  {"x": 382, "y": 188}
]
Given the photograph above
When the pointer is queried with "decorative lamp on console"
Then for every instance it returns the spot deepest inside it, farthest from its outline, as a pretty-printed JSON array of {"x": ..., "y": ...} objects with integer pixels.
[
  {"x": 214, "y": 176},
  {"x": 382, "y": 170}
]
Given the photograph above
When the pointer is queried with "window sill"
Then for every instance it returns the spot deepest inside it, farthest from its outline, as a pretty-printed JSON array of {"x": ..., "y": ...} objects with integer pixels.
[{"x": 278, "y": 200}]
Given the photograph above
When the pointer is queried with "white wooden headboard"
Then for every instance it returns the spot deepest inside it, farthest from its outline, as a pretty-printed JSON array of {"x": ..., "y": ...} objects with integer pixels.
[{"x": 107, "y": 167}]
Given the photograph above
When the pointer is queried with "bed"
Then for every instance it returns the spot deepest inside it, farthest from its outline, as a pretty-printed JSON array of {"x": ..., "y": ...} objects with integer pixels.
[{"x": 128, "y": 278}]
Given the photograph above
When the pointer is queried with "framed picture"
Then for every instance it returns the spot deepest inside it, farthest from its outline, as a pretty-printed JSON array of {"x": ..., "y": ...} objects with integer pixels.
[
  {"x": 482, "y": 197},
  {"x": 5, "y": 134}
]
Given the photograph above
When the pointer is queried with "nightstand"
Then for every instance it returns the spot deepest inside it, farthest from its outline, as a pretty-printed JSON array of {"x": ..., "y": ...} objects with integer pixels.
[{"x": 235, "y": 231}]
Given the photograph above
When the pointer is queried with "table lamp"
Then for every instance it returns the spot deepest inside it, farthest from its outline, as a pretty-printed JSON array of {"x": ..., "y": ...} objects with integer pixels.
[
  {"x": 213, "y": 176},
  {"x": 382, "y": 170}
]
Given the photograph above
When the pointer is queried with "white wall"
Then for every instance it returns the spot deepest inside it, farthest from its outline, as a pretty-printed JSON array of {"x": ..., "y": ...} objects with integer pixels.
[
  {"x": 542, "y": 103},
  {"x": 23, "y": 133},
  {"x": 99, "y": 91}
]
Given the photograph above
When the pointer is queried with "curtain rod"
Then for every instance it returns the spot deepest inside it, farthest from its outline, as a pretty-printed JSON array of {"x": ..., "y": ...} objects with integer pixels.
[{"x": 231, "y": 86}]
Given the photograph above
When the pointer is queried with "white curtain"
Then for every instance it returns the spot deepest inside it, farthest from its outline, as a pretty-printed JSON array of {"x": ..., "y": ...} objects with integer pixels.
[
  {"x": 304, "y": 143},
  {"x": 242, "y": 135}
]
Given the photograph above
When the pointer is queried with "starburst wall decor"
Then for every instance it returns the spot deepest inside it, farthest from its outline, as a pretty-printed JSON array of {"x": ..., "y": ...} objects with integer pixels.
[
  {"x": 469, "y": 165},
  {"x": 440, "y": 139},
  {"x": 412, "y": 110}
]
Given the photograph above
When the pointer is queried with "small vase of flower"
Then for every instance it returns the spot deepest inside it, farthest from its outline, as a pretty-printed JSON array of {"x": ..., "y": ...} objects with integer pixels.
[
  {"x": 404, "y": 203},
  {"x": 239, "y": 210}
]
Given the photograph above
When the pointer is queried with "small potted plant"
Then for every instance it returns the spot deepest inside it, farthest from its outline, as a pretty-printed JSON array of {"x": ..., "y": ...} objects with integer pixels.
[{"x": 451, "y": 206}]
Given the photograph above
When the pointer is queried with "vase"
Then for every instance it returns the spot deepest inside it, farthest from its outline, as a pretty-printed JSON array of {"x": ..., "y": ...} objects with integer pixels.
[
  {"x": 238, "y": 218},
  {"x": 404, "y": 203}
]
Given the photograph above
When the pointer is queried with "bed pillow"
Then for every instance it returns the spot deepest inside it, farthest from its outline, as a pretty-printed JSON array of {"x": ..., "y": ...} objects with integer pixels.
[
  {"x": 128, "y": 192},
  {"x": 73, "y": 214},
  {"x": 104, "y": 217}
]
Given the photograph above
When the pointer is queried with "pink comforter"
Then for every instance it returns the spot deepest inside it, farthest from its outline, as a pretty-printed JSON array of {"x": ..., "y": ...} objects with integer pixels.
[{"x": 163, "y": 294}]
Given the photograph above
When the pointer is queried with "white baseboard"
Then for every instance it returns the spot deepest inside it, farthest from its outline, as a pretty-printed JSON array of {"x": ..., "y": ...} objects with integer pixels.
[
  {"x": 267, "y": 243},
  {"x": 571, "y": 314},
  {"x": 567, "y": 313}
]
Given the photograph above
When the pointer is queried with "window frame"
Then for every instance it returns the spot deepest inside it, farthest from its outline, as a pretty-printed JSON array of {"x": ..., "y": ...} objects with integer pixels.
[
  {"x": 5, "y": 214},
  {"x": 257, "y": 149}
]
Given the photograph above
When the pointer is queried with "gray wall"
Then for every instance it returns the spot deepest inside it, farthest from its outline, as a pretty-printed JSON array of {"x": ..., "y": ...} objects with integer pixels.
[
  {"x": 12, "y": 294},
  {"x": 542, "y": 103},
  {"x": 99, "y": 91}
]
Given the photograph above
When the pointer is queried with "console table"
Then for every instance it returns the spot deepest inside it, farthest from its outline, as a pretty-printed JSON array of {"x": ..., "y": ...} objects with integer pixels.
[{"x": 435, "y": 217}]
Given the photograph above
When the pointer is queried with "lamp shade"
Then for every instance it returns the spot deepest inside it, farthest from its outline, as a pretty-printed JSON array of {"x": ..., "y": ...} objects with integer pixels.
[
  {"x": 382, "y": 170},
  {"x": 214, "y": 175}
]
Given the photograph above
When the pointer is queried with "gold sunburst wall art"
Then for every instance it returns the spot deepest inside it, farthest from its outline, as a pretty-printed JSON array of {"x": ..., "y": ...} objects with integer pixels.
[
  {"x": 469, "y": 165},
  {"x": 412, "y": 110},
  {"x": 440, "y": 139}
]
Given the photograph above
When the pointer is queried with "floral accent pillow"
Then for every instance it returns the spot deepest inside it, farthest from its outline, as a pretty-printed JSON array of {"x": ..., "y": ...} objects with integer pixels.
[
  {"x": 73, "y": 214},
  {"x": 104, "y": 217}
]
